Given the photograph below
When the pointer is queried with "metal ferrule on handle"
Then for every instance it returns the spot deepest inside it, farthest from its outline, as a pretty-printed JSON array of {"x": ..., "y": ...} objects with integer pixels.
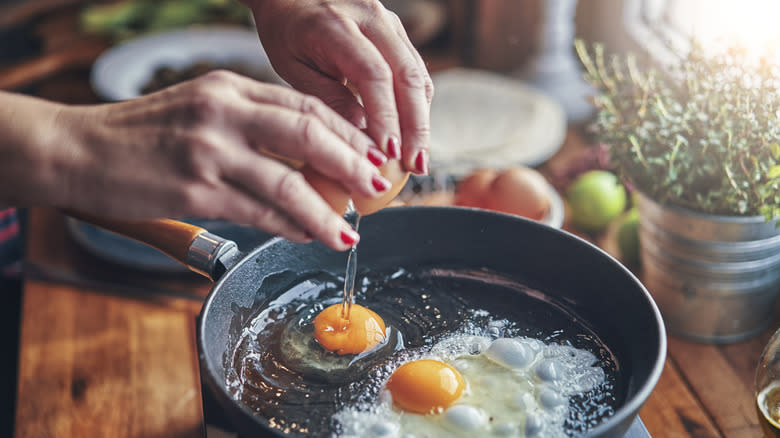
[
  {"x": 210, "y": 255},
  {"x": 202, "y": 252}
]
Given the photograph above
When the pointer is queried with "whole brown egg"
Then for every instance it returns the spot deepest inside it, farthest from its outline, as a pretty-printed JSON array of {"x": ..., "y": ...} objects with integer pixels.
[
  {"x": 521, "y": 191},
  {"x": 472, "y": 190}
]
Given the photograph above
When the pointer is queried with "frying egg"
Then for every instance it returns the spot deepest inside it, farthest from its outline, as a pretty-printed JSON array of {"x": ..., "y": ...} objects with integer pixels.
[
  {"x": 336, "y": 350},
  {"x": 511, "y": 387},
  {"x": 425, "y": 386},
  {"x": 355, "y": 333}
]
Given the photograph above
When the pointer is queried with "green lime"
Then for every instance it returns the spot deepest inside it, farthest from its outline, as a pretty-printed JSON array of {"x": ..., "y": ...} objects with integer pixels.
[
  {"x": 628, "y": 237},
  {"x": 596, "y": 198}
]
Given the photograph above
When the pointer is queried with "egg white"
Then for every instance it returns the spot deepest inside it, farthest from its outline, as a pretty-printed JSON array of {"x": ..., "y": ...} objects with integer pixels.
[{"x": 515, "y": 387}]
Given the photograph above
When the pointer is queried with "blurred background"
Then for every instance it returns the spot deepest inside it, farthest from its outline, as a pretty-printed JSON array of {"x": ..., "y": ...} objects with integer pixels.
[
  {"x": 493, "y": 34},
  {"x": 40, "y": 37},
  {"x": 529, "y": 83}
]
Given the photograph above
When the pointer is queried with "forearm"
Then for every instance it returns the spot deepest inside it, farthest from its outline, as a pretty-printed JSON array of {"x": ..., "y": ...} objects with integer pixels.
[{"x": 32, "y": 167}]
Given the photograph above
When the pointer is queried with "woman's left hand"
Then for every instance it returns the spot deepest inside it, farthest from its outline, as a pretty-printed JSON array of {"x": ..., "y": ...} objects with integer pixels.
[{"x": 325, "y": 48}]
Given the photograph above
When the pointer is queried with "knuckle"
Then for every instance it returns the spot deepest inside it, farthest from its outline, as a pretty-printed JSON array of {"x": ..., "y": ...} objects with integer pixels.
[
  {"x": 219, "y": 77},
  {"x": 310, "y": 105},
  {"x": 358, "y": 141},
  {"x": 376, "y": 70},
  {"x": 204, "y": 104},
  {"x": 412, "y": 76},
  {"x": 207, "y": 95},
  {"x": 429, "y": 88},
  {"x": 289, "y": 187},
  {"x": 395, "y": 19},
  {"x": 263, "y": 216},
  {"x": 376, "y": 9},
  {"x": 421, "y": 133},
  {"x": 356, "y": 168},
  {"x": 309, "y": 128}
]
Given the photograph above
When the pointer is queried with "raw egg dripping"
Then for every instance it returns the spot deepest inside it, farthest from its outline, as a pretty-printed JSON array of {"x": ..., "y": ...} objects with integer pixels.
[
  {"x": 353, "y": 333},
  {"x": 425, "y": 386}
]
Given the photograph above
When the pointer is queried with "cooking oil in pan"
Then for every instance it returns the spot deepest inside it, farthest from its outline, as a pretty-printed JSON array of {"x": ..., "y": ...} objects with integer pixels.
[{"x": 278, "y": 370}]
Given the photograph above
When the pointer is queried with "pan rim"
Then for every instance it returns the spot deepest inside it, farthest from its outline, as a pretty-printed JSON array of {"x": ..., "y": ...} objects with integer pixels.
[{"x": 628, "y": 410}]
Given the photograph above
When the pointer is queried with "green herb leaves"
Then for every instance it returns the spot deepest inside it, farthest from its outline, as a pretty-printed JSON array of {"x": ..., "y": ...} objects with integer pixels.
[{"x": 703, "y": 134}]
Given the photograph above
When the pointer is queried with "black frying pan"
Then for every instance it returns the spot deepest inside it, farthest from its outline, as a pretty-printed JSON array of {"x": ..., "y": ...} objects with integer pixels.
[{"x": 573, "y": 273}]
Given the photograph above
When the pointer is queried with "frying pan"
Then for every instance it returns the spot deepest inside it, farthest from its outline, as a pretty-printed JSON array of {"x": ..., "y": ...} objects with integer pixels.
[{"x": 567, "y": 269}]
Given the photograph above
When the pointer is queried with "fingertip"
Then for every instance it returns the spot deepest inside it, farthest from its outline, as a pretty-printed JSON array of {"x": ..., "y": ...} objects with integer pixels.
[
  {"x": 380, "y": 184},
  {"x": 375, "y": 156},
  {"x": 420, "y": 164},
  {"x": 393, "y": 147},
  {"x": 343, "y": 240},
  {"x": 349, "y": 237}
]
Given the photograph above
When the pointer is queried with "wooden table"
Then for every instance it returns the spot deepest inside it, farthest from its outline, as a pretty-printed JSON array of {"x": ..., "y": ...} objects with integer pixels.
[{"x": 106, "y": 351}]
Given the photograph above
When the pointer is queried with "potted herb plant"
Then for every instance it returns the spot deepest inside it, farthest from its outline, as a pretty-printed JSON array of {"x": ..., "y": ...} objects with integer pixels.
[{"x": 700, "y": 141}]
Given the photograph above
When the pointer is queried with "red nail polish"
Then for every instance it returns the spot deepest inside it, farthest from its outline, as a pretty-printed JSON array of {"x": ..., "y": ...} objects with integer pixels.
[
  {"x": 393, "y": 147},
  {"x": 349, "y": 237},
  {"x": 376, "y": 157},
  {"x": 421, "y": 162},
  {"x": 380, "y": 184}
]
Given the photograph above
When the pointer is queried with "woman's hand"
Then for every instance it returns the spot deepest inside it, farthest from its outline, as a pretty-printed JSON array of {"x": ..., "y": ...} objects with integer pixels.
[
  {"x": 326, "y": 47},
  {"x": 195, "y": 149}
]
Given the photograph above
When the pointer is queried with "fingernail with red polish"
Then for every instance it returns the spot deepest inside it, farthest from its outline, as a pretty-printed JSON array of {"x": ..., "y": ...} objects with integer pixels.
[
  {"x": 350, "y": 237},
  {"x": 376, "y": 157},
  {"x": 421, "y": 162},
  {"x": 393, "y": 147},
  {"x": 380, "y": 183}
]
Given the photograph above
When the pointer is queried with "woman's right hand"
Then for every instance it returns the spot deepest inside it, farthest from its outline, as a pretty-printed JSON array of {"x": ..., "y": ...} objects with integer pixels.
[{"x": 194, "y": 149}]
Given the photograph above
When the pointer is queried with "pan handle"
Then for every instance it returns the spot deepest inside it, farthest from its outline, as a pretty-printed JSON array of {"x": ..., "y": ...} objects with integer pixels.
[{"x": 191, "y": 245}]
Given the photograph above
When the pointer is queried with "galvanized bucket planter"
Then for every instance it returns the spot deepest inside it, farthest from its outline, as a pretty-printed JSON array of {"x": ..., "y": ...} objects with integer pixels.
[{"x": 715, "y": 278}]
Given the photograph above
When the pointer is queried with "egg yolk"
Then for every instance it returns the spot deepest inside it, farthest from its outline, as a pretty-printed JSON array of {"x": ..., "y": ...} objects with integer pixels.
[
  {"x": 361, "y": 332},
  {"x": 425, "y": 386}
]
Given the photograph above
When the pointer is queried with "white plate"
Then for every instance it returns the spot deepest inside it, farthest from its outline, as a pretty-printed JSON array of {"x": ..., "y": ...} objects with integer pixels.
[
  {"x": 121, "y": 72},
  {"x": 481, "y": 119}
]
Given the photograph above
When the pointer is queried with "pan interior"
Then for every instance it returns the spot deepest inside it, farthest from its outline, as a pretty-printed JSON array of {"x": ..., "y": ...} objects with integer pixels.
[
  {"x": 580, "y": 279},
  {"x": 423, "y": 305}
]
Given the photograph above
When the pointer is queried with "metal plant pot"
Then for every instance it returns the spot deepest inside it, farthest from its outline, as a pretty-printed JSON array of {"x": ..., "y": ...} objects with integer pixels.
[{"x": 715, "y": 278}]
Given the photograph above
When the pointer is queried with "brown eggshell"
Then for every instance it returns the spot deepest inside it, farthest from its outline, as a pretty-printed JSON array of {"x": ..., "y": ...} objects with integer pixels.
[
  {"x": 338, "y": 197},
  {"x": 331, "y": 190},
  {"x": 521, "y": 191},
  {"x": 472, "y": 190},
  {"x": 394, "y": 173}
]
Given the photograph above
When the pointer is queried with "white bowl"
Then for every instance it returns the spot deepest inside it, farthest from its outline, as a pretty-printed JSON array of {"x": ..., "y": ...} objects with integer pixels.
[{"x": 121, "y": 72}]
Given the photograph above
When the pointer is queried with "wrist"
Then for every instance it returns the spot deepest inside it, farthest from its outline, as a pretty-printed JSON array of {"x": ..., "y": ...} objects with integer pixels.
[{"x": 33, "y": 165}]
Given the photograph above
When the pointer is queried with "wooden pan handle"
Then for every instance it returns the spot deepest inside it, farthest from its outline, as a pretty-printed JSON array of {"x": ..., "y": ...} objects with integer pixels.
[{"x": 167, "y": 235}]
